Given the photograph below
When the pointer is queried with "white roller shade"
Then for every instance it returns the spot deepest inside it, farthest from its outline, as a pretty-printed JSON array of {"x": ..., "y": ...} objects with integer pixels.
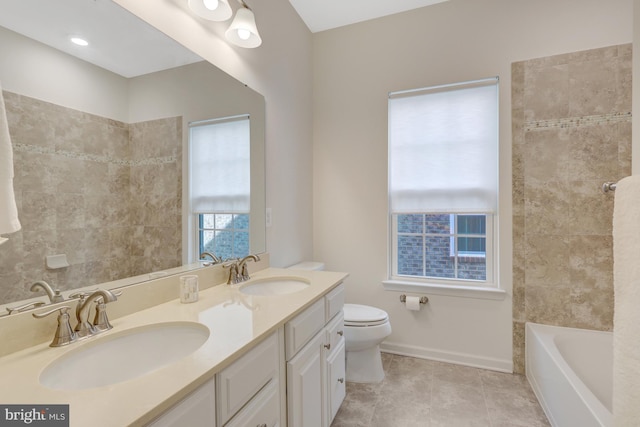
[
  {"x": 219, "y": 166},
  {"x": 443, "y": 149}
]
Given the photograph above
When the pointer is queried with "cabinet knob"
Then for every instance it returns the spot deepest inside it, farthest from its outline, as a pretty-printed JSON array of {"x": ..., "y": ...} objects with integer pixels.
[
  {"x": 340, "y": 380},
  {"x": 327, "y": 346},
  {"x": 341, "y": 333}
]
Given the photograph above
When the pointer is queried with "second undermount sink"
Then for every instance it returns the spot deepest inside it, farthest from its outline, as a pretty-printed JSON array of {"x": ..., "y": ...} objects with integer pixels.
[
  {"x": 275, "y": 286},
  {"x": 124, "y": 356}
]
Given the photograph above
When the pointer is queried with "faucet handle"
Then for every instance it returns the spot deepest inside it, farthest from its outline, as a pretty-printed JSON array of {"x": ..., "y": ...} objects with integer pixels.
[
  {"x": 64, "y": 334},
  {"x": 24, "y": 307},
  {"x": 101, "y": 321},
  {"x": 233, "y": 272}
]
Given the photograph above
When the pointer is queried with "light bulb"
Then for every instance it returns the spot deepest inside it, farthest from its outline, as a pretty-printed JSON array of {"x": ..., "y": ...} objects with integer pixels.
[
  {"x": 244, "y": 34},
  {"x": 79, "y": 41},
  {"x": 211, "y": 4}
]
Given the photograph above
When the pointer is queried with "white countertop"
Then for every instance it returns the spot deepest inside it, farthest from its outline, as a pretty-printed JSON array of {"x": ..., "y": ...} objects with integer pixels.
[{"x": 236, "y": 323}]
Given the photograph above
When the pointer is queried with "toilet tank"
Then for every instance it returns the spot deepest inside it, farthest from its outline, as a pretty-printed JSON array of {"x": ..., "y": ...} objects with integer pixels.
[{"x": 308, "y": 265}]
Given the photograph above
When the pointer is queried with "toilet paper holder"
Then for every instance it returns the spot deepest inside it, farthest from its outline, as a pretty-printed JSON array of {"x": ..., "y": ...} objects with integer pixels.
[{"x": 423, "y": 300}]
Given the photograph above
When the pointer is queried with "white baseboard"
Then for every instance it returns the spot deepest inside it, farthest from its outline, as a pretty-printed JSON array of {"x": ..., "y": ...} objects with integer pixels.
[{"x": 501, "y": 365}]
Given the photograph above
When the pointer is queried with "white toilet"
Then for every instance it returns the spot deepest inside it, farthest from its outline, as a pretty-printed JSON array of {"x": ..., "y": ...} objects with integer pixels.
[{"x": 365, "y": 328}]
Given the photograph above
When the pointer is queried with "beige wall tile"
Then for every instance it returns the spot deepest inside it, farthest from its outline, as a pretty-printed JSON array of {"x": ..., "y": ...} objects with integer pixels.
[
  {"x": 546, "y": 92},
  {"x": 576, "y": 137},
  {"x": 591, "y": 262},
  {"x": 546, "y": 260},
  {"x": 545, "y": 155},
  {"x": 78, "y": 188}
]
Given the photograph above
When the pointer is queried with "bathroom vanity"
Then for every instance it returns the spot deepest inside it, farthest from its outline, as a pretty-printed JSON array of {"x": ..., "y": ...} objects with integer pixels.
[{"x": 267, "y": 358}]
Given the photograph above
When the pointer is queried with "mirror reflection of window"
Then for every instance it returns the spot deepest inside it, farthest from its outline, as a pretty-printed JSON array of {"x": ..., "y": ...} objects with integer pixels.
[{"x": 219, "y": 193}]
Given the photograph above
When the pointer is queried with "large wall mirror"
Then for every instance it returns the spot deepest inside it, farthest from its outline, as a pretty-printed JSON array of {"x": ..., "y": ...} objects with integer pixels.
[{"x": 100, "y": 137}]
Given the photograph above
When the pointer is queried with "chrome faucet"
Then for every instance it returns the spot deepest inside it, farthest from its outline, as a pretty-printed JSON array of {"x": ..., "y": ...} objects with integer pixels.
[
  {"x": 84, "y": 328},
  {"x": 54, "y": 295},
  {"x": 242, "y": 266},
  {"x": 215, "y": 259}
]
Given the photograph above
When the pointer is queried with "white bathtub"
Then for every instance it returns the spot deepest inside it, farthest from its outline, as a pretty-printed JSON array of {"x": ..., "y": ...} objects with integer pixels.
[{"x": 571, "y": 373}]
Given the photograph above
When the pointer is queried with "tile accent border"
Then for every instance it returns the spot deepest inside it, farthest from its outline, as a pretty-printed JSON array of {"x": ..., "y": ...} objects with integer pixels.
[
  {"x": 573, "y": 122},
  {"x": 27, "y": 148}
]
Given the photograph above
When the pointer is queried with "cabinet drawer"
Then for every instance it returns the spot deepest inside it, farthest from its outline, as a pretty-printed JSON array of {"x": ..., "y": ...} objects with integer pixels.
[
  {"x": 303, "y": 327},
  {"x": 196, "y": 410},
  {"x": 335, "y": 330},
  {"x": 264, "y": 409},
  {"x": 335, "y": 301},
  {"x": 238, "y": 383}
]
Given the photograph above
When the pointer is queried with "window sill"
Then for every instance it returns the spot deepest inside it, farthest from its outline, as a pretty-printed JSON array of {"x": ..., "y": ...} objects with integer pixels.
[{"x": 446, "y": 290}]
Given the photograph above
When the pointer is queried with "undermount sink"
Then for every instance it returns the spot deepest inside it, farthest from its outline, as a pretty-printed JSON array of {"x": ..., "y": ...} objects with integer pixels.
[
  {"x": 275, "y": 286},
  {"x": 124, "y": 356}
]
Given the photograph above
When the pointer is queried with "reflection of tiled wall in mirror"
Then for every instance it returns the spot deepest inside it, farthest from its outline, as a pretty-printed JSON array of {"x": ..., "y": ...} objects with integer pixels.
[
  {"x": 571, "y": 121},
  {"x": 105, "y": 193}
]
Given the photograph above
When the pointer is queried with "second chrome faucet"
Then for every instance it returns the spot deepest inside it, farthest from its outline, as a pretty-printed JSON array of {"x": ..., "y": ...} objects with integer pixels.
[
  {"x": 65, "y": 335},
  {"x": 238, "y": 271}
]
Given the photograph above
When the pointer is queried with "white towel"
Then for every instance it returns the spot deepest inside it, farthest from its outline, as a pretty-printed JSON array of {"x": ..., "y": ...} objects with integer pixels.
[
  {"x": 9, "y": 222},
  {"x": 626, "y": 319}
]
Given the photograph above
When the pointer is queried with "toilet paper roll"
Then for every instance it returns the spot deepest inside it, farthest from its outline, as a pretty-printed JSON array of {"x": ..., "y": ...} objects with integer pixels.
[{"x": 413, "y": 303}]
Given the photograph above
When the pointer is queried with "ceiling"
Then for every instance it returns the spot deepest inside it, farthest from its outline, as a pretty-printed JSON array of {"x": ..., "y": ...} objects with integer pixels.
[
  {"x": 118, "y": 41},
  {"x": 320, "y": 15},
  {"x": 135, "y": 48}
]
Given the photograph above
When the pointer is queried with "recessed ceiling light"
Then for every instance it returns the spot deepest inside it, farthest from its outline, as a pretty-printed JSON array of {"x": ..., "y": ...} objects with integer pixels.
[{"x": 79, "y": 41}]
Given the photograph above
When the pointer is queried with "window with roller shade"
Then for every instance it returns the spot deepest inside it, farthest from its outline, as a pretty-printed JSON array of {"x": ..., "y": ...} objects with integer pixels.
[
  {"x": 443, "y": 183},
  {"x": 219, "y": 160}
]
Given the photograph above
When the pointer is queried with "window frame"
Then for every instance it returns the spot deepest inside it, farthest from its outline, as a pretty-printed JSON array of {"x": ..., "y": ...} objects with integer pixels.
[
  {"x": 192, "y": 227},
  {"x": 490, "y": 258},
  {"x": 483, "y": 289},
  {"x": 199, "y": 229}
]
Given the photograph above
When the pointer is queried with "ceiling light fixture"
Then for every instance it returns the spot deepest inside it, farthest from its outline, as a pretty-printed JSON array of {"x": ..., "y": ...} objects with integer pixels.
[
  {"x": 243, "y": 31},
  {"x": 79, "y": 41},
  {"x": 212, "y": 10}
]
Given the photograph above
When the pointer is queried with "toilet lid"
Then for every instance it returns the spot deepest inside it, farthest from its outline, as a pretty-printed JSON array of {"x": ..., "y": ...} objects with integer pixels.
[{"x": 364, "y": 315}]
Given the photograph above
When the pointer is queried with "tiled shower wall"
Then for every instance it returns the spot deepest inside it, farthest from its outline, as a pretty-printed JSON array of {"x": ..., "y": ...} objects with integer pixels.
[
  {"x": 571, "y": 121},
  {"x": 105, "y": 193}
]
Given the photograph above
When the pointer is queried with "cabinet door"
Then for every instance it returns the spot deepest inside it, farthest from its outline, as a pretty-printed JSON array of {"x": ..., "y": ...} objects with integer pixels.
[
  {"x": 336, "y": 387},
  {"x": 195, "y": 410},
  {"x": 305, "y": 374},
  {"x": 303, "y": 327}
]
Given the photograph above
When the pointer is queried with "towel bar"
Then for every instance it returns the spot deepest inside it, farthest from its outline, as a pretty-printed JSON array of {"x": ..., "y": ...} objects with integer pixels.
[{"x": 608, "y": 186}]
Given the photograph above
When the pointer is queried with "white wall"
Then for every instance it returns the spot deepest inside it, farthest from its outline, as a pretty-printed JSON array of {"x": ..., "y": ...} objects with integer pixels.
[
  {"x": 281, "y": 70},
  {"x": 354, "y": 69},
  {"x": 33, "y": 69}
]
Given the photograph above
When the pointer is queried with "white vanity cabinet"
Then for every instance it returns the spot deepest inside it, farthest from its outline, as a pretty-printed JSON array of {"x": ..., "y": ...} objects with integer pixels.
[
  {"x": 248, "y": 391},
  {"x": 315, "y": 353},
  {"x": 195, "y": 410}
]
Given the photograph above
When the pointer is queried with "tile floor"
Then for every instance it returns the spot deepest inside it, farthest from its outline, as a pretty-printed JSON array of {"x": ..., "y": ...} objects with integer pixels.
[{"x": 425, "y": 393}]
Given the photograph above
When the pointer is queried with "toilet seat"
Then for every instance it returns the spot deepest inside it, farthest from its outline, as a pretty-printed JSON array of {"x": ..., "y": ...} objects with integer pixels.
[{"x": 363, "y": 315}]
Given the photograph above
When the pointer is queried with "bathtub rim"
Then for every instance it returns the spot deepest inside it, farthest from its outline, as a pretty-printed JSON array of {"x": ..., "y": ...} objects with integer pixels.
[{"x": 545, "y": 334}]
